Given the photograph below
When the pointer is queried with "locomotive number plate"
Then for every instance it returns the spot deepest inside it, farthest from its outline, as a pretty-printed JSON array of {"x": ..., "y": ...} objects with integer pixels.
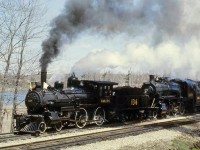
[
  {"x": 190, "y": 95},
  {"x": 30, "y": 100},
  {"x": 105, "y": 101},
  {"x": 134, "y": 102}
]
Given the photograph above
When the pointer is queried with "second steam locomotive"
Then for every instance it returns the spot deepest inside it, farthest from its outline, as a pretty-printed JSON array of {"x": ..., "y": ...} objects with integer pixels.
[{"x": 84, "y": 102}]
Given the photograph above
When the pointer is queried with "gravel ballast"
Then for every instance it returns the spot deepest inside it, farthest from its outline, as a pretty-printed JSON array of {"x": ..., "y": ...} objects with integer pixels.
[
  {"x": 155, "y": 140},
  {"x": 132, "y": 141}
]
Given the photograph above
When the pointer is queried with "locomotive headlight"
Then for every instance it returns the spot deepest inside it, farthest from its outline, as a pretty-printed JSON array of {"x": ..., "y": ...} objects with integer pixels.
[
  {"x": 32, "y": 85},
  {"x": 30, "y": 100},
  {"x": 145, "y": 91},
  {"x": 51, "y": 102},
  {"x": 148, "y": 90}
]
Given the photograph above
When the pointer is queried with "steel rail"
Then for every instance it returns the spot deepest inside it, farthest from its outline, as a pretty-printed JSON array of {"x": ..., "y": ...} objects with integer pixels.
[{"x": 99, "y": 136}]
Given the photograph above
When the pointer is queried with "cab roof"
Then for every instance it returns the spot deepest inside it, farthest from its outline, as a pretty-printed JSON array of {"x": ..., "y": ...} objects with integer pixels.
[{"x": 99, "y": 82}]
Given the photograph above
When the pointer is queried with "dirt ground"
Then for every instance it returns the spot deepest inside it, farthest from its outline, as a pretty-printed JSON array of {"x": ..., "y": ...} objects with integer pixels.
[
  {"x": 184, "y": 142},
  {"x": 189, "y": 140}
]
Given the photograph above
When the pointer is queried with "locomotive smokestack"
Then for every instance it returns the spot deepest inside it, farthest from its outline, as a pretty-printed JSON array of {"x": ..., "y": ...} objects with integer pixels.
[
  {"x": 151, "y": 78},
  {"x": 43, "y": 77}
]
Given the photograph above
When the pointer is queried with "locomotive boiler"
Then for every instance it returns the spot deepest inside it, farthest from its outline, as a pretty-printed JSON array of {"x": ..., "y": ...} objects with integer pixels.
[{"x": 165, "y": 94}]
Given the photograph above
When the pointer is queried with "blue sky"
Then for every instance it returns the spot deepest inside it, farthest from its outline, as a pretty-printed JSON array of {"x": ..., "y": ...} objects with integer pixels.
[{"x": 54, "y": 7}]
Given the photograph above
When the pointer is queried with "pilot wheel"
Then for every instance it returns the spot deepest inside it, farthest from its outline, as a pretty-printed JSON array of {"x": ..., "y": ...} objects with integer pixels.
[{"x": 42, "y": 127}]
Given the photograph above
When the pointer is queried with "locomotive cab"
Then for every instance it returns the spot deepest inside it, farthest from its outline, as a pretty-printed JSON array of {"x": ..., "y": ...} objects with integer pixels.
[
  {"x": 100, "y": 91},
  {"x": 105, "y": 91}
]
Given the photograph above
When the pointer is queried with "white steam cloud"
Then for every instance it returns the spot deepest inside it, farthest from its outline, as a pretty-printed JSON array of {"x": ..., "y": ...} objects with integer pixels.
[
  {"x": 165, "y": 35},
  {"x": 168, "y": 34},
  {"x": 165, "y": 58}
]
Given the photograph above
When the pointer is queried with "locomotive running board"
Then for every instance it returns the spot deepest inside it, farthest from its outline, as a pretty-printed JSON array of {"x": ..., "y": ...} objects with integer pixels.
[
  {"x": 93, "y": 121},
  {"x": 89, "y": 121}
]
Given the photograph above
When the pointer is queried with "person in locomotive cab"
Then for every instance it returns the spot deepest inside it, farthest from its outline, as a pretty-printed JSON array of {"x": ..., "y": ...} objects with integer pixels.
[{"x": 32, "y": 86}]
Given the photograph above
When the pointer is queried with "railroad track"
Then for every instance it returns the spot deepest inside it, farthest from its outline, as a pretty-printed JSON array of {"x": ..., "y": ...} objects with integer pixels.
[
  {"x": 64, "y": 142},
  {"x": 7, "y": 137}
]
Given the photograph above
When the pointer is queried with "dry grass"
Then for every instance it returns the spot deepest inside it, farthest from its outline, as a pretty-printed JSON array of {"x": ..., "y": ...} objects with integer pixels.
[{"x": 8, "y": 115}]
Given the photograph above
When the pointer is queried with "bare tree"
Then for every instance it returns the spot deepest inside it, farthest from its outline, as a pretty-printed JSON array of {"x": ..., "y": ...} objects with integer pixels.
[
  {"x": 9, "y": 28},
  {"x": 21, "y": 24}
]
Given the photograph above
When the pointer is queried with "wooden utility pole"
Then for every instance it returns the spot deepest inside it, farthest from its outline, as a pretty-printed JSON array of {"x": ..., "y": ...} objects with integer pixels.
[{"x": 127, "y": 79}]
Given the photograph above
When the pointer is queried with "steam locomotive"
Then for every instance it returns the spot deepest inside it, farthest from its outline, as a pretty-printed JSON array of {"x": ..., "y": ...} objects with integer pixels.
[{"x": 85, "y": 102}]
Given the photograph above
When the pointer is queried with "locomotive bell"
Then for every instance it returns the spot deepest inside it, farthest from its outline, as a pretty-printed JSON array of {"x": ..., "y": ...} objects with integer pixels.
[{"x": 151, "y": 78}]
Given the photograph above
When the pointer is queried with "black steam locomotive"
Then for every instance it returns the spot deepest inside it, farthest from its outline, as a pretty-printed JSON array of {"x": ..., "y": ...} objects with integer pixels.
[{"x": 85, "y": 102}]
